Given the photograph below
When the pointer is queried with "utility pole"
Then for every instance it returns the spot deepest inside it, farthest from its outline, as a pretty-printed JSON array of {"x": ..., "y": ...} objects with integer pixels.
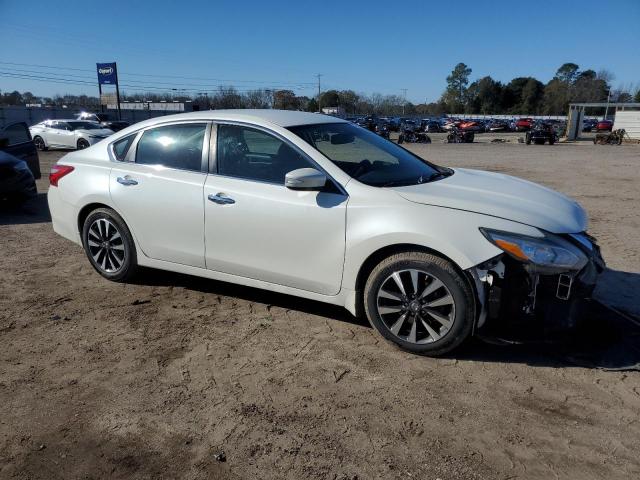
[
  {"x": 319, "y": 75},
  {"x": 404, "y": 98},
  {"x": 606, "y": 111}
]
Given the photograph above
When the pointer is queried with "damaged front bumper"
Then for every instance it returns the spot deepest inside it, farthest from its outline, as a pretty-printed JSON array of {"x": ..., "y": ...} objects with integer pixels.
[{"x": 515, "y": 296}]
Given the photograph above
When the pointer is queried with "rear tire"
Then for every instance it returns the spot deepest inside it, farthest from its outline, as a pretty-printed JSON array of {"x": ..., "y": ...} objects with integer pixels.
[
  {"x": 82, "y": 144},
  {"x": 419, "y": 302},
  {"x": 39, "y": 143},
  {"x": 109, "y": 245}
]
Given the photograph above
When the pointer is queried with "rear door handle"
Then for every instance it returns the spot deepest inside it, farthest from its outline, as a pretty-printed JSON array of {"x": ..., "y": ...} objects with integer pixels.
[
  {"x": 126, "y": 181},
  {"x": 221, "y": 199}
]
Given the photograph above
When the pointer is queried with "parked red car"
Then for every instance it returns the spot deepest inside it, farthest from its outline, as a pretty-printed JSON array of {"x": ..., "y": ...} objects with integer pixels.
[
  {"x": 524, "y": 124},
  {"x": 604, "y": 126}
]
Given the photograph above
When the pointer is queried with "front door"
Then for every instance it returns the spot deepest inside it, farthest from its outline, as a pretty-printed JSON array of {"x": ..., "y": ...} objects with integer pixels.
[
  {"x": 65, "y": 136},
  {"x": 257, "y": 228},
  {"x": 159, "y": 191}
]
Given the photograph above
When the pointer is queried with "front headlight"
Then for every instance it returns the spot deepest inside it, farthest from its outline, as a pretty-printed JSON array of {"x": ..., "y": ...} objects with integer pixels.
[{"x": 548, "y": 254}]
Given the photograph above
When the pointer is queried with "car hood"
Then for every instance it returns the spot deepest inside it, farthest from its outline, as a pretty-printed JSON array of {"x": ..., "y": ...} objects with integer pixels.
[
  {"x": 101, "y": 132},
  {"x": 503, "y": 196}
]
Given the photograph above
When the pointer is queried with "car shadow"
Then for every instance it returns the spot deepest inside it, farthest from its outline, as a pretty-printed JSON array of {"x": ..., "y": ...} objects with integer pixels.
[
  {"x": 289, "y": 302},
  {"x": 605, "y": 339},
  {"x": 33, "y": 210}
]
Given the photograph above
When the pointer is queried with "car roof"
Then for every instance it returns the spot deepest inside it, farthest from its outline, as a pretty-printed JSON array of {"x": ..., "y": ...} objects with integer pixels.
[
  {"x": 282, "y": 118},
  {"x": 62, "y": 120}
]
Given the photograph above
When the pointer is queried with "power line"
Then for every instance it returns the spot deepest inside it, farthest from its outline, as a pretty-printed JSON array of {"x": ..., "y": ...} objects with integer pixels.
[
  {"x": 133, "y": 74},
  {"x": 130, "y": 85},
  {"x": 199, "y": 85}
]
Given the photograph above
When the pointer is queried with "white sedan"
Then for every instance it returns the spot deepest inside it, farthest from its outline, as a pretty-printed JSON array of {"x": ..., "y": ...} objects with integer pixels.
[
  {"x": 76, "y": 134},
  {"x": 313, "y": 206}
]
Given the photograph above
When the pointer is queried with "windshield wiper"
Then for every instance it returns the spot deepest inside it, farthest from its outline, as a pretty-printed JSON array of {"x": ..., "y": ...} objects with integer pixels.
[{"x": 421, "y": 179}]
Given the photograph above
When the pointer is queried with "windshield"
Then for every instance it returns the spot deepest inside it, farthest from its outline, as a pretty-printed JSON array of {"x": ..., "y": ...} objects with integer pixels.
[
  {"x": 367, "y": 157},
  {"x": 84, "y": 125}
]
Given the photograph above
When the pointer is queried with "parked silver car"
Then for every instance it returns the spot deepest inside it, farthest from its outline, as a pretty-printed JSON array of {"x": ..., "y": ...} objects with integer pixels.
[{"x": 76, "y": 134}]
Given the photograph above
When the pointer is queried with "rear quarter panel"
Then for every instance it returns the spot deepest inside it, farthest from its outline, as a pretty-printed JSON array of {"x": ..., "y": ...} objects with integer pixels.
[{"x": 88, "y": 183}]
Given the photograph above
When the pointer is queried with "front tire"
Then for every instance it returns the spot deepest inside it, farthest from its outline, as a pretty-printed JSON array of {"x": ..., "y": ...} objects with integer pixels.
[
  {"x": 419, "y": 302},
  {"x": 82, "y": 144},
  {"x": 109, "y": 245}
]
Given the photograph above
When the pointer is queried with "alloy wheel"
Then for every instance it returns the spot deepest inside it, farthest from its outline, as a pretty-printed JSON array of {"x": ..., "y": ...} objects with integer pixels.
[
  {"x": 106, "y": 245},
  {"x": 39, "y": 143},
  {"x": 416, "y": 306}
]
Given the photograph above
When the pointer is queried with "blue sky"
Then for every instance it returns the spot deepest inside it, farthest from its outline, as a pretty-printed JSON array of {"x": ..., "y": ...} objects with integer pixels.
[{"x": 369, "y": 46}]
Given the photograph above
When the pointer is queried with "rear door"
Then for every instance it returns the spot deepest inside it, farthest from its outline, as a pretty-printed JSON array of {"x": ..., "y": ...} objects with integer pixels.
[
  {"x": 157, "y": 184},
  {"x": 19, "y": 144}
]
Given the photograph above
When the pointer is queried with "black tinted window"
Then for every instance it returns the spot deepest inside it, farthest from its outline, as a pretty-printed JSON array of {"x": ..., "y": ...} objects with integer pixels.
[
  {"x": 121, "y": 147},
  {"x": 17, "y": 133},
  {"x": 174, "y": 146},
  {"x": 255, "y": 155},
  {"x": 367, "y": 157}
]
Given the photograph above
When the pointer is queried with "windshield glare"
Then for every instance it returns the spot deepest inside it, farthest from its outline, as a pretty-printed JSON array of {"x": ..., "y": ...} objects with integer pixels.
[{"x": 367, "y": 157}]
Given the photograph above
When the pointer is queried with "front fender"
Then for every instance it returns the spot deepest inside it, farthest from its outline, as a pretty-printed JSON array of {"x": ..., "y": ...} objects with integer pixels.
[{"x": 452, "y": 233}]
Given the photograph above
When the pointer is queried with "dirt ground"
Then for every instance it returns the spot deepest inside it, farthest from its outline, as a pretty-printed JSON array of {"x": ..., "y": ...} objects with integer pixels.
[{"x": 152, "y": 380}]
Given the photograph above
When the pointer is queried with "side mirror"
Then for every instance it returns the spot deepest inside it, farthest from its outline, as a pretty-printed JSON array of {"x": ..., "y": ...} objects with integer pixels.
[{"x": 305, "y": 179}]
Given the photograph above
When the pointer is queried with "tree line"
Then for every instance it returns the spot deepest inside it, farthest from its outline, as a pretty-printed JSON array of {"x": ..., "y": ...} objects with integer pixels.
[
  {"x": 528, "y": 95},
  {"x": 521, "y": 95}
]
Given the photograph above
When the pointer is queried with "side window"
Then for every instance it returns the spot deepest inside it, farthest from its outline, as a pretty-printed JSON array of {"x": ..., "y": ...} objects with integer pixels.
[
  {"x": 16, "y": 133},
  {"x": 252, "y": 154},
  {"x": 174, "y": 146},
  {"x": 121, "y": 147}
]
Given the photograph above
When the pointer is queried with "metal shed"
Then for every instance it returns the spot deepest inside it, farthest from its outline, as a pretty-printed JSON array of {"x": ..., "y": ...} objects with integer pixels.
[{"x": 629, "y": 114}]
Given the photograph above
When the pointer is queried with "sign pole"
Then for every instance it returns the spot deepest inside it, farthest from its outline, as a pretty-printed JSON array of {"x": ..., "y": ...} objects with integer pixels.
[
  {"x": 117, "y": 91},
  {"x": 108, "y": 75},
  {"x": 100, "y": 95}
]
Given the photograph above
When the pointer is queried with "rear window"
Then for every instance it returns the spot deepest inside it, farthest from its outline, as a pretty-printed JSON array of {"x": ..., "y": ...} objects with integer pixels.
[{"x": 121, "y": 147}]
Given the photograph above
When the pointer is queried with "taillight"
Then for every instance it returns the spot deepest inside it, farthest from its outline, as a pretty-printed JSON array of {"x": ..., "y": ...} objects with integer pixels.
[{"x": 57, "y": 172}]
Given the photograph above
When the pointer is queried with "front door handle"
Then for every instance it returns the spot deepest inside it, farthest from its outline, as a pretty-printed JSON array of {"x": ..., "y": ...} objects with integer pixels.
[
  {"x": 221, "y": 199},
  {"x": 126, "y": 181}
]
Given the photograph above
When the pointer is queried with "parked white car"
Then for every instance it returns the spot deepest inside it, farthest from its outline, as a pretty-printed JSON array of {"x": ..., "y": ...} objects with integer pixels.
[
  {"x": 314, "y": 206},
  {"x": 77, "y": 134}
]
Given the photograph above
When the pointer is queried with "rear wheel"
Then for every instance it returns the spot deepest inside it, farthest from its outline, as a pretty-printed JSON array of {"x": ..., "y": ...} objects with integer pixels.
[
  {"x": 39, "y": 143},
  {"x": 109, "y": 245},
  {"x": 419, "y": 302},
  {"x": 82, "y": 144}
]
